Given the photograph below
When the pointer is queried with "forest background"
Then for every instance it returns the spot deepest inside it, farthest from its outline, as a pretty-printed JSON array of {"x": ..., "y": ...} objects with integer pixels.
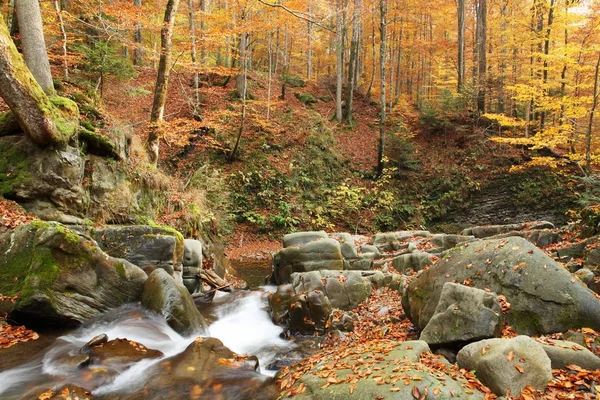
[{"x": 362, "y": 115}]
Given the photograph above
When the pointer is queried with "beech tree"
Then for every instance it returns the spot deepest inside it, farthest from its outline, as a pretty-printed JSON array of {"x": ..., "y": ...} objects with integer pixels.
[
  {"x": 162, "y": 79},
  {"x": 45, "y": 119},
  {"x": 34, "y": 44}
]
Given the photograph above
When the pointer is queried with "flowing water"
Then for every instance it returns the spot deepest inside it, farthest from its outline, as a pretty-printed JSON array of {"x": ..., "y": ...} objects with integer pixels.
[{"x": 238, "y": 319}]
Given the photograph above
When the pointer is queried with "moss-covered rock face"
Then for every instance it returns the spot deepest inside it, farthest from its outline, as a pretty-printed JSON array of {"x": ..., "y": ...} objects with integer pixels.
[
  {"x": 61, "y": 278},
  {"x": 148, "y": 247},
  {"x": 544, "y": 296},
  {"x": 64, "y": 185}
]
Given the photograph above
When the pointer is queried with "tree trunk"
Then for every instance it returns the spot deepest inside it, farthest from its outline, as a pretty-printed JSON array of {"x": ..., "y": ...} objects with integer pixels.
[
  {"x": 138, "y": 51},
  {"x": 63, "y": 33},
  {"x": 382, "y": 59},
  {"x": 34, "y": 45},
  {"x": 481, "y": 54},
  {"x": 461, "y": 45},
  {"x": 352, "y": 62},
  {"x": 162, "y": 79},
  {"x": 588, "y": 135},
  {"x": 340, "y": 61},
  {"x": 546, "y": 53},
  {"x": 309, "y": 51},
  {"x": 46, "y": 120},
  {"x": 193, "y": 51}
]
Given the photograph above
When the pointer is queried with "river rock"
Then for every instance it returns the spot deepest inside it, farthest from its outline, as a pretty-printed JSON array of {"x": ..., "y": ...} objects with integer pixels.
[
  {"x": 447, "y": 241},
  {"x": 544, "y": 297},
  {"x": 301, "y": 238},
  {"x": 208, "y": 369},
  {"x": 62, "y": 278},
  {"x": 192, "y": 264},
  {"x": 415, "y": 261},
  {"x": 355, "y": 371},
  {"x": 463, "y": 314},
  {"x": 65, "y": 392},
  {"x": 563, "y": 353},
  {"x": 507, "y": 364},
  {"x": 323, "y": 254},
  {"x": 148, "y": 247},
  {"x": 120, "y": 351},
  {"x": 394, "y": 241},
  {"x": 492, "y": 230},
  {"x": 165, "y": 297}
]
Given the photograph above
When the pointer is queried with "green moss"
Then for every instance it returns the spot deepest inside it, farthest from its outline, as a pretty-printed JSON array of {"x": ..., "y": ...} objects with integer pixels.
[
  {"x": 178, "y": 237},
  {"x": 99, "y": 144},
  {"x": 121, "y": 270},
  {"x": 305, "y": 98},
  {"x": 14, "y": 171},
  {"x": 87, "y": 125}
]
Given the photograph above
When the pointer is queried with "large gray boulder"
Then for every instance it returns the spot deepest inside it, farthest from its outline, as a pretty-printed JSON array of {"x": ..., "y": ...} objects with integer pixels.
[
  {"x": 563, "y": 353},
  {"x": 313, "y": 256},
  {"x": 463, "y": 314},
  {"x": 148, "y": 247},
  {"x": 415, "y": 261},
  {"x": 379, "y": 372},
  {"x": 544, "y": 297},
  {"x": 507, "y": 364},
  {"x": 62, "y": 278},
  {"x": 300, "y": 238},
  {"x": 165, "y": 297}
]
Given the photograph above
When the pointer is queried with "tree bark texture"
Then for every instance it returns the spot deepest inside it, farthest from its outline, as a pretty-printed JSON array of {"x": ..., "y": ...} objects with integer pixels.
[
  {"x": 46, "y": 120},
  {"x": 461, "y": 45},
  {"x": 382, "y": 58},
  {"x": 34, "y": 45},
  {"x": 138, "y": 51},
  {"x": 162, "y": 79},
  {"x": 481, "y": 33}
]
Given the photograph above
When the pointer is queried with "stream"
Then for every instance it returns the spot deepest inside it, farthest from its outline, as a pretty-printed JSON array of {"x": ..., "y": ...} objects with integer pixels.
[{"x": 238, "y": 319}]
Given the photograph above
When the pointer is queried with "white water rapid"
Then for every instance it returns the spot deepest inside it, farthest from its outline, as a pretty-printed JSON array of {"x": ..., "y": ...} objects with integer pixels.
[{"x": 241, "y": 322}]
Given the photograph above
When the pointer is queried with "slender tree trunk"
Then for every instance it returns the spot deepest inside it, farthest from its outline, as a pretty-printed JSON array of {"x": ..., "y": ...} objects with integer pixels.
[
  {"x": 46, "y": 120},
  {"x": 243, "y": 93},
  {"x": 138, "y": 51},
  {"x": 63, "y": 33},
  {"x": 340, "y": 62},
  {"x": 461, "y": 45},
  {"x": 270, "y": 80},
  {"x": 162, "y": 79},
  {"x": 204, "y": 10},
  {"x": 546, "y": 53},
  {"x": 382, "y": 60},
  {"x": 588, "y": 135},
  {"x": 309, "y": 51},
  {"x": 34, "y": 45},
  {"x": 374, "y": 61},
  {"x": 353, "y": 62},
  {"x": 193, "y": 54},
  {"x": 481, "y": 54}
]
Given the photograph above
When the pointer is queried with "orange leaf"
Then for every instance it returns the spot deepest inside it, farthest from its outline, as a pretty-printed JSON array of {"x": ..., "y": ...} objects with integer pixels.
[
  {"x": 520, "y": 369},
  {"x": 416, "y": 393}
]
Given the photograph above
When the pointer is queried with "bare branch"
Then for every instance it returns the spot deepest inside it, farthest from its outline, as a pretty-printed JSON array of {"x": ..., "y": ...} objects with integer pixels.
[{"x": 297, "y": 14}]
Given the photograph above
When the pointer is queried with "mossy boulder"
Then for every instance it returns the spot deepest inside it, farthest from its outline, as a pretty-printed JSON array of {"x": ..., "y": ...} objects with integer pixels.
[
  {"x": 165, "y": 297},
  {"x": 544, "y": 296},
  {"x": 148, "y": 247},
  {"x": 61, "y": 278}
]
